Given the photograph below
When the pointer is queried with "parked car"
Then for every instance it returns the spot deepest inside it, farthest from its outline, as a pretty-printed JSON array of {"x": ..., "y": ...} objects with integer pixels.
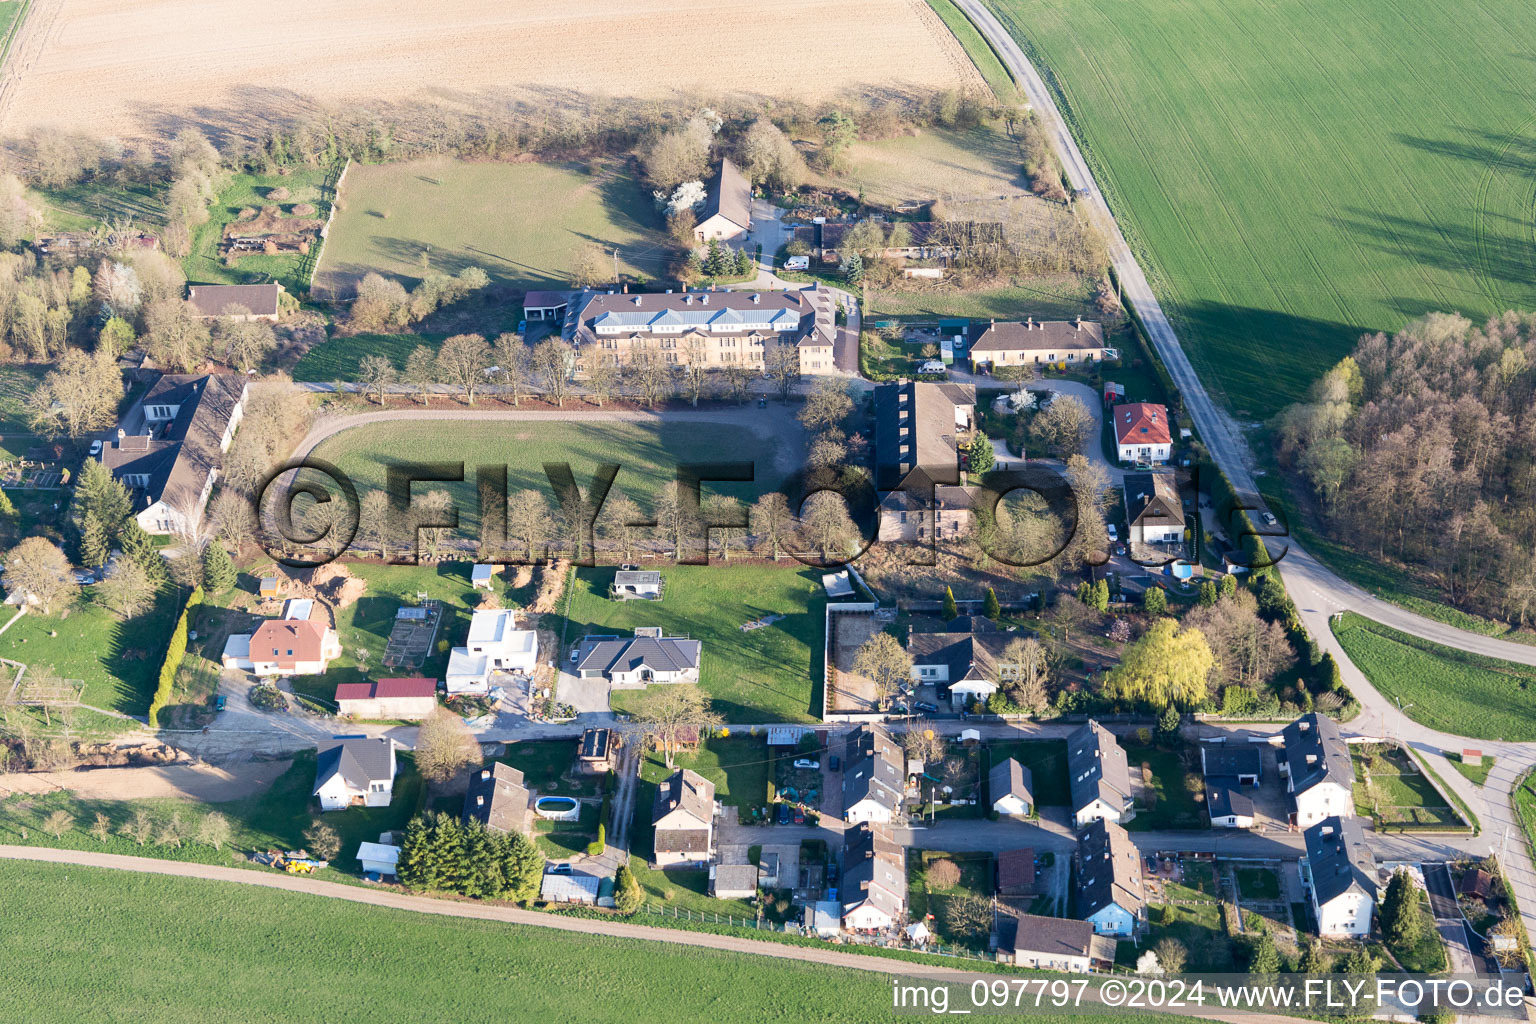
[
  {"x": 924, "y": 706},
  {"x": 783, "y": 814},
  {"x": 835, "y": 763},
  {"x": 84, "y": 577},
  {"x": 559, "y": 869},
  {"x": 522, "y": 327},
  {"x": 941, "y": 690},
  {"x": 96, "y": 447},
  {"x": 799, "y": 816},
  {"x": 762, "y": 402},
  {"x": 797, "y": 263},
  {"x": 931, "y": 366},
  {"x": 806, "y": 762},
  {"x": 1114, "y": 531},
  {"x": 1269, "y": 519},
  {"x": 219, "y": 702}
]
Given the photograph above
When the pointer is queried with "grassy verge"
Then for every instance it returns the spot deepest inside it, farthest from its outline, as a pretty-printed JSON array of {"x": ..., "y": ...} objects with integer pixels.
[
  {"x": 1478, "y": 773},
  {"x": 981, "y": 53}
]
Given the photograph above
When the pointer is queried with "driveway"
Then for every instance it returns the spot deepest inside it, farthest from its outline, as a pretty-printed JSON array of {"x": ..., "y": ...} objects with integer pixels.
[{"x": 585, "y": 695}]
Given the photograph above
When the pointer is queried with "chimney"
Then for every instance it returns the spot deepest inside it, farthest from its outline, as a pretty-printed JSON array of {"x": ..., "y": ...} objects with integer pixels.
[
  {"x": 626, "y": 289},
  {"x": 479, "y": 801},
  {"x": 1031, "y": 325},
  {"x": 704, "y": 300},
  {"x": 1078, "y": 324},
  {"x": 121, "y": 433}
]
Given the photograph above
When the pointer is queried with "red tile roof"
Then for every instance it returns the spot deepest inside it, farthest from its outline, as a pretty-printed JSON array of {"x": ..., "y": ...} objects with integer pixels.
[
  {"x": 413, "y": 686},
  {"x": 1142, "y": 423},
  {"x": 304, "y": 637}
]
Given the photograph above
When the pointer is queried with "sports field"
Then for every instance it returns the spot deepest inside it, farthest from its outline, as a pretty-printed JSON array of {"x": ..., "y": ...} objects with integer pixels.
[
  {"x": 523, "y": 224},
  {"x": 1293, "y": 174}
]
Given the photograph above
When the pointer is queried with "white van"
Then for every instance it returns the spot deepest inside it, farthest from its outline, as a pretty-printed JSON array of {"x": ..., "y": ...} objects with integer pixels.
[
  {"x": 797, "y": 263},
  {"x": 932, "y": 366}
]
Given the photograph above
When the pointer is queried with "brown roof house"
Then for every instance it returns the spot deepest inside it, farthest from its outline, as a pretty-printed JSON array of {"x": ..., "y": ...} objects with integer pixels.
[
  {"x": 1011, "y": 343},
  {"x": 727, "y": 212},
  {"x": 498, "y": 799},
  {"x": 918, "y": 427},
  {"x": 301, "y": 643},
  {"x": 1016, "y": 873},
  {"x": 255, "y": 301},
  {"x": 683, "y": 819},
  {"x": 1153, "y": 510},
  {"x": 170, "y": 469}
]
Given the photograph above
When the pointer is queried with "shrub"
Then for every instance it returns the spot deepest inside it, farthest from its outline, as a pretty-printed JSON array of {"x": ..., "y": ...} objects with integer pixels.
[
  {"x": 303, "y": 210},
  {"x": 598, "y": 845},
  {"x": 279, "y": 194},
  {"x": 943, "y": 874},
  {"x": 174, "y": 653}
]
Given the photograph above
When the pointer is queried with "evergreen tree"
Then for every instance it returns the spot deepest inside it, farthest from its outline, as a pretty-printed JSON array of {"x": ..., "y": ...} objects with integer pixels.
[
  {"x": 98, "y": 492},
  {"x": 523, "y": 868},
  {"x": 1314, "y": 959},
  {"x": 1402, "y": 922},
  {"x": 991, "y": 608},
  {"x": 1085, "y": 592},
  {"x": 93, "y": 542},
  {"x": 1228, "y": 585},
  {"x": 715, "y": 259},
  {"x": 979, "y": 456},
  {"x": 853, "y": 268},
  {"x": 1266, "y": 958},
  {"x": 1207, "y": 594},
  {"x": 138, "y": 546},
  {"x": 482, "y": 870},
  {"x": 417, "y": 865},
  {"x": 1168, "y": 722},
  {"x": 7, "y": 508},
  {"x": 219, "y": 573},
  {"x": 1100, "y": 601},
  {"x": 1154, "y": 601},
  {"x": 627, "y": 897},
  {"x": 949, "y": 611}
]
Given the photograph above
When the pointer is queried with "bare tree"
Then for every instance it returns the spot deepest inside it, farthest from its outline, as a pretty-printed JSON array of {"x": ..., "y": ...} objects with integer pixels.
[
  {"x": 373, "y": 521},
  {"x": 825, "y": 520},
  {"x": 883, "y": 661},
  {"x": 445, "y": 747},
  {"x": 665, "y": 713},
  {"x": 38, "y": 570},
  {"x": 377, "y": 375},
  {"x": 1023, "y": 670},
  {"x": 783, "y": 368},
  {"x": 421, "y": 373},
  {"x": 128, "y": 590},
  {"x": 514, "y": 366},
  {"x": 827, "y": 406},
  {"x": 772, "y": 522},
  {"x": 553, "y": 360},
  {"x": 321, "y": 840},
  {"x": 462, "y": 361},
  {"x": 80, "y": 395},
  {"x": 528, "y": 520},
  {"x": 618, "y": 523},
  {"x": 244, "y": 342},
  {"x": 651, "y": 377}
]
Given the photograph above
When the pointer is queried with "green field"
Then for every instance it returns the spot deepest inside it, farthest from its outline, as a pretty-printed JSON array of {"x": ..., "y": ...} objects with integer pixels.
[
  {"x": 523, "y": 224},
  {"x": 1461, "y": 693},
  {"x": 249, "y": 191},
  {"x": 759, "y": 675},
  {"x": 1180, "y": 793},
  {"x": 1293, "y": 174},
  {"x": 998, "y": 79},
  {"x": 939, "y": 163},
  {"x": 1390, "y": 787}
]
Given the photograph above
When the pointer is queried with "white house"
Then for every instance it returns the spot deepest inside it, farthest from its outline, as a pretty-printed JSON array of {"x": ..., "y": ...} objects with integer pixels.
[
  {"x": 1052, "y": 943},
  {"x": 1228, "y": 805},
  {"x": 965, "y": 663},
  {"x": 874, "y": 782},
  {"x": 1142, "y": 434},
  {"x": 630, "y": 583},
  {"x": 733, "y": 881},
  {"x": 727, "y": 211},
  {"x": 1153, "y": 512},
  {"x": 1109, "y": 891},
  {"x": 1340, "y": 876},
  {"x": 1319, "y": 775},
  {"x": 495, "y": 644},
  {"x": 1100, "y": 777},
  {"x": 874, "y": 881},
  {"x": 647, "y": 657},
  {"x": 1229, "y": 769},
  {"x": 1010, "y": 788},
  {"x": 300, "y": 643},
  {"x": 356, "y": 772},
  {"x": 378, "y": 858},
  {"x": 683, "y": 819}
]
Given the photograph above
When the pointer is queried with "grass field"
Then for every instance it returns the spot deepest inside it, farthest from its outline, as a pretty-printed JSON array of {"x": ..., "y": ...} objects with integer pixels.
[
  {"x": 1389, "y": 786},
  {"x": 250, "y": 191},
  {"x": 1258, "y": 883},
  {"x": 1478, "y": 773},
  {"x": 939, "y": 163},
  {"x": 754, "y": 675},
  {"x": 1455, "y": 691},
  {"x": 337, "y": 358},
  {"x": 523, "y": 224},
  {"x": 1295, "y": 174},
  {"x": 1180, "y": 794}
]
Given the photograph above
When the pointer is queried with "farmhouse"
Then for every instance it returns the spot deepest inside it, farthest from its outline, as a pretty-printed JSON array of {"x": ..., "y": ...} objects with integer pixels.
[
  {"x": 709, "y": 328},
  {"x": 1010, "y": 787},
  {"x": 648, "y": 657},
  {"x": 727, "y": 212},
  {"x": 498, "y": 799},
  {"x": 1109, "y": 891},
  {"x": 1142, "y": 434},
  {"x": 874, "y": 882},
  {"x": 356, "y": 772},
  {"x": 1100, "y": 776},
  {"x": 963, "y": 663},
  {"x": 1153, "y": 512},
  {"x": 630, "y": 583},
  {"x": 189, "y": 421},
  {"x": 1340, "y": 876},
  {"x": 1051, "y": 943},
  {"x": 1318, "y": 773},
  {"x": 301, "y": 643},
  {"x": 917, "y": 459},
  {"x": 406, "y": 699},
  {"x": 873, "y": 780},
  {"x": 1016, "y": 873},
  {"x": 683, "y": 819},
  {"x": 494, "y": 645},
  {"x": 258, "y": 301},
  {"x": 1032, "y": 344}
]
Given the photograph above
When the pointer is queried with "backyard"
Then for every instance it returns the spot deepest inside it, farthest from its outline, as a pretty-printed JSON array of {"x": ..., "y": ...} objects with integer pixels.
[
  {"x": 927, "y": 894},
  {"x": 1390, "y": 788},
  {"x": 273, "y": 198},
  {"x": 1047, "y": 763},
  {"x": 1174, "y": 797},
  {"x": 522, "y": 223},
  {"x": 737, "y": 765},
  {"x": 751, "y": 675}
]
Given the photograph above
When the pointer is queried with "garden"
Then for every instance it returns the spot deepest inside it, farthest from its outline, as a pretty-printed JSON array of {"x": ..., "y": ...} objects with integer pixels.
[
  {"x": 1392, "y": 790},
  {"x": 956, "y": 888}
]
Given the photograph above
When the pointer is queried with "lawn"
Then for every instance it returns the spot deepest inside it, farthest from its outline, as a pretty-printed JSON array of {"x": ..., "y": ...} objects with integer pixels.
[
  {"x": 1478, "y": 773},
  {"x": 925, "y": 898},
  {"x": 1462, "y": 693},
  {"x": 523, "y": 224},
  {"x": 1050, "y": 297},
  {"x": 338, "y": 358},
  {"x": 1198, "y": 927},
  {"x": 1390, "y": 787},
  {"x": 117, "y": 659},
  {"x": 1199, "y": 884},
  {"x": 683, "y": 888},
  {"x": 1427, "y": 954},
  {"x": 1258, "y": 883},
  {"x": 549, "y": 768},
  {"x": 204, "y": 265},
  {"x": 1180, "y": 792},
  {"x": 86, "y": 205},
  {"x": 1047, "y": 763},
  {"x": 758, "y": 675},
  {"x": 1301, "y": 173},
  {"x": 737, "y": 765},
  {"x": 274, "y": 819}
]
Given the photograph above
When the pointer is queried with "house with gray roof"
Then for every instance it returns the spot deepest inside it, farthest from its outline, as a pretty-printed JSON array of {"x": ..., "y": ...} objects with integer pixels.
[
  {"x": 1340, "y": 876},
  {"x": 241, "y": 301},
  {"x": 1033, "y": 343},
  {"x": 355, "y": 772},
  {"x": 727, "y": 212},
  {"x": 1051, "y": 943},
  {"x": 169, "y": 470},
  {"x": 683, "y": 819},
  {"x": 733, "y": 881},
  {"x": 874, "y": 879},
  {"x": 874, "y": 777},
  {"x": 1109, "y": 891},
  {"x": 1229, "y": 769},
  {"x": 964, "y": 663},
  {"x": 918, "y": 431},
  {"x": 645, "y": 658},
  {"x": 1010, "y": 788},
  {"x": 498, "y": 799},
  {"x": 1318, "y": 773},
  {"x": 1100, "y": 776}
]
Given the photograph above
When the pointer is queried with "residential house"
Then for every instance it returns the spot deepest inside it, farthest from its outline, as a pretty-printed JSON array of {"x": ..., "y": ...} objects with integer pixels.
[
  {"x": 498, "y": 798},
  {"x": 408, "y": 699},
  {"x": 1142, "y": 434},
  {"x": 301, "y": 643},
  {"x": 1340, "y": 876},
  {"x": 630, "y": 583},
  {"x": 594, "y": 751},
  {"x": 874, "y": 879},
  {"x": 1016, "y": 873},
  {"x": 918, "y": 428},
  {"x": 1109, "y": 891},
  {"x": 710, "y": 328},
  {"x": 355, "y": 772},
  {"x": 1229, "y": 768},
  {"x": 1318, "y": 773},
  {"x": 733, "y": 881},
  {"x": 1100, "y": 776},
  {"x": 570, "y": 889},
  {"x": 683, "y": 819},
  {"x": 495, "y": 644},
  {"x": 647, "y": 657},
  {"x": 1228, "y": 806},
  {"x": 170, "y": 469},
  {"x": 727, "y": 212},
  {"x": 964, "y": 665},
  {"x": 874, "y": 784},
  {"x": 255, "y": 301},
  {"x": 995, "y": 345},
  {"x": 1153, "y": 512},
  {"x": 1052, "y": 943},
  {"x": 1010, "y": 787},
  {"x": 379, "y": 859}
]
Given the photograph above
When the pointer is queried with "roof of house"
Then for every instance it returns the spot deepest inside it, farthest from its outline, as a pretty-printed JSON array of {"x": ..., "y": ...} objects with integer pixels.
[
  {"x": 1142, "y": 423},
  {"x": 412, "y": 686},
  {"x": 1043, "y": 936},
  {"x": 595, "y": 743},
  {"x": 1340, "y": 860},
  {"x": 492, "y": 625},
  {"x": 1152, "y": 499},
  {"x": 1224, "y": 798},
  {"x": 658, "y": 653},
  {"x": 874, "y": 871},
  {"x": 683, "y": 812},
  {"x": 1009, "y": 778},
  {"x": 1047, "y": 335},
  {"x": 1315, "y": 753},
  {"x": 546, "y": 299},
  {"x": 497, "y": 798},
  {"x": 1098, "y": 768},
  {"x": 1016, "y": 869},
  {"x": 481, "y": 571},
  {"x": 359, "y": 761},
  {"x": 214, "y": 299},
  {"x": 1476, "y": 882},
  {"x": 1230, "y": 759},
  {"x": 730, "y": 196},
  {"x": 736, "y": 877},
  {"x": 305, "y": 638},
  {"x": 873, "y": 768},
  {"x": 570, "y": 888},
  {"x": 178, "y": 462},
  {"x": 461, "y": 663},
  {"x": 636, "y": 577},
  {"x": 378, "y": 853},
  {"x": 1109, "y": 870},
  {"x": 915, "y": 431},
  {"x": 965, "y": 655}
]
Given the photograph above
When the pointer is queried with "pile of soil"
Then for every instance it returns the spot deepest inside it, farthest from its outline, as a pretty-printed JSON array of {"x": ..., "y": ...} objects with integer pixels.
[{"x": 551, "y": 587}]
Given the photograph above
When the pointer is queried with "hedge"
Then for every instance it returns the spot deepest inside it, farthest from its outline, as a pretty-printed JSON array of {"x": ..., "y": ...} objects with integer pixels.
[{"x": 175, "y": 651}]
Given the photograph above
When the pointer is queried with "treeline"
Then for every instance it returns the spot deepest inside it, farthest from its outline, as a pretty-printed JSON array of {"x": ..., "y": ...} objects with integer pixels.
[
  {"x": 1421, "y": 449},
  {"x": 442, "y": 854}
]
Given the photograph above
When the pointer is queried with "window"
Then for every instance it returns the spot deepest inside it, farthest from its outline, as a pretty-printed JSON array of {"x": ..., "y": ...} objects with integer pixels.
[
  {"x": 274, "y": 652},
  {"x": 290, "y": 652}
]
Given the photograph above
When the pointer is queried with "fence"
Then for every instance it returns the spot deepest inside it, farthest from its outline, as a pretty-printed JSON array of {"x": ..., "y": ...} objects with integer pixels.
[
  {"x": 675, "y": 913},
  {"x": 311, "y": 261}
]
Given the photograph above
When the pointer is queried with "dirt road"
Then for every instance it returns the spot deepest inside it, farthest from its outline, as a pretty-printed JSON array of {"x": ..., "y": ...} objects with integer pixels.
[{"x": 186, "y": 781}]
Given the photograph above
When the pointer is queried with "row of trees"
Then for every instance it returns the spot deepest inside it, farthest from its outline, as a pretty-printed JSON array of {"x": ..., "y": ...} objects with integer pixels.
[
  {"x": 442, "y": 854},
  {"x": 383, "y": 306}
]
